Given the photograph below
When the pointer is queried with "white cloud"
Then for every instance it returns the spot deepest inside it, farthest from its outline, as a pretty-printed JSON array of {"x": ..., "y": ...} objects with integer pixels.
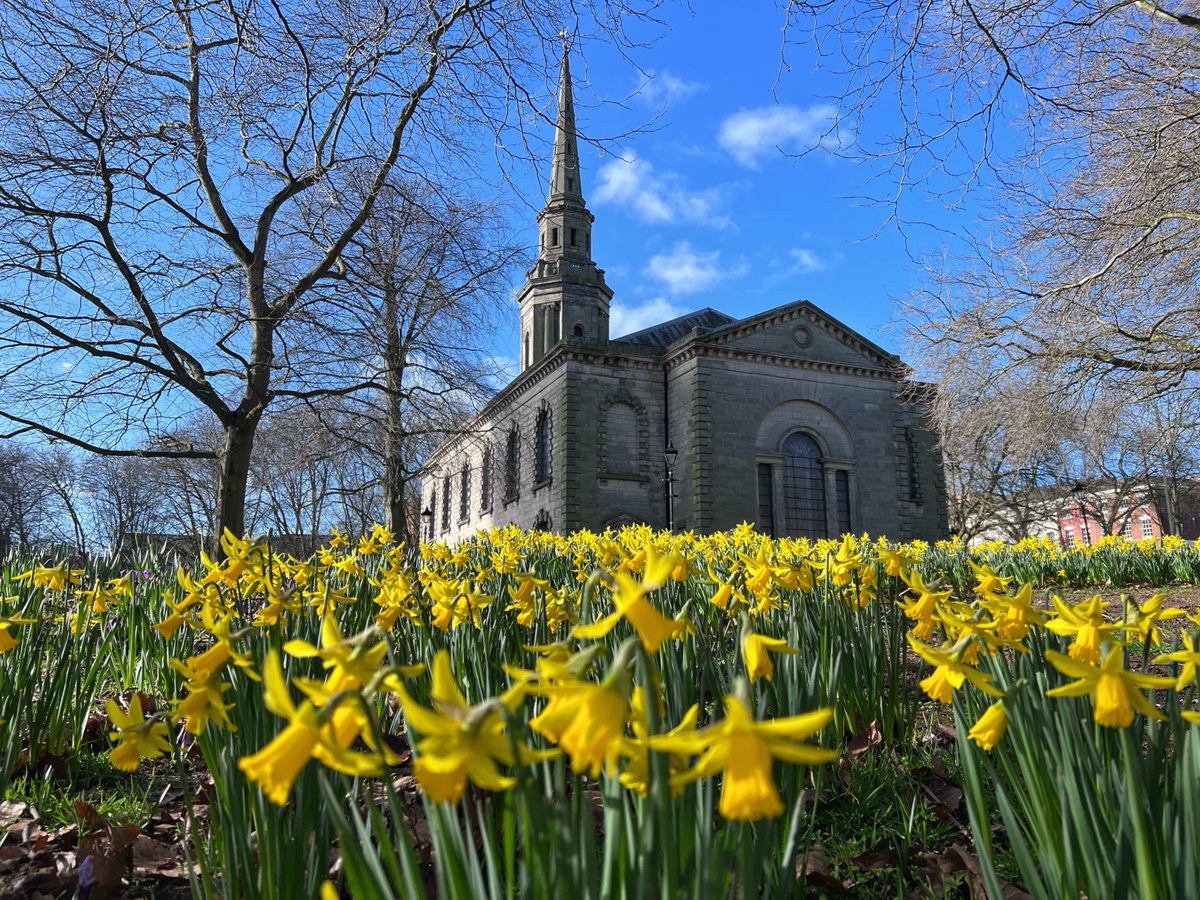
[
  {"x": 751, "y": 134},
  {"x": 656, "y": 197},
  {"x": 684, "y": 270},
  {"x": 625, "y": 319},
  {"x": 807, "y": 261},
  {"x": 661, "y": 88}
]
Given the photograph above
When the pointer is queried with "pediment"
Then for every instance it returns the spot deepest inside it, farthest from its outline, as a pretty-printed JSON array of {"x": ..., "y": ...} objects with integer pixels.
[{"x": 805, "y": 331}]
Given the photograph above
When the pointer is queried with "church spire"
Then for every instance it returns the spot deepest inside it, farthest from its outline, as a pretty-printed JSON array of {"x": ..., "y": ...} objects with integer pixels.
[
  {"x": 564, "y": 297},
  {"x": 564, "y": 171}
]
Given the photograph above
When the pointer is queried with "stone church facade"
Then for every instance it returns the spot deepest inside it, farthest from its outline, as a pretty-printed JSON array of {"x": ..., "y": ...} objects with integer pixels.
[{"x": 787, "y": 419}]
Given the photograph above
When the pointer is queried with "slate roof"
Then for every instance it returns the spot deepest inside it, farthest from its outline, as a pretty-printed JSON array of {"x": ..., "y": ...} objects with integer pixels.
[{"x": 662, "y": 336}]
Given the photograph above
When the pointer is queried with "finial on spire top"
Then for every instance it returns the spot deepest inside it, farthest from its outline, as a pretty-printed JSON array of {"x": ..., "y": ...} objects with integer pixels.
[{"x": 565, "y": 37}]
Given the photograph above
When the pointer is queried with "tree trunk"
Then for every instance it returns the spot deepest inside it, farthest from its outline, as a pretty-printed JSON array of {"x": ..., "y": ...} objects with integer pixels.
[
  {"x": 394, "y": 476},
  {"x": 235, "y": 476}
]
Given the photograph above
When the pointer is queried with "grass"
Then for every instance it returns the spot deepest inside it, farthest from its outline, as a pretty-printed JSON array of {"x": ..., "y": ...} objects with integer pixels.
[{"x": 119, "y": 798}]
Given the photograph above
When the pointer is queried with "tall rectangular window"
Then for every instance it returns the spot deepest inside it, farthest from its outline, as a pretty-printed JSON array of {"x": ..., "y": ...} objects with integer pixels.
[
  {"x": 512, "y": 467},
  {"x": 464, "y": 493},
  {"x": 542, "y": 458},
  {"x": 842, "y": 485},
  {"x": 446, "y": 503},
  {"x": 766, "y": 501},
  {"x": 1147, "y": 527},
  {"x": 485, "y": 480}
]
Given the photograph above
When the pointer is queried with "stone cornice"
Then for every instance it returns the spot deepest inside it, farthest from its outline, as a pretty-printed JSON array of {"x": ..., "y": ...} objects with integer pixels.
[
  {"x": 803, "y": 309},
  {"x": 713, "y": 350},
  {"x": 518, "y": 387}
]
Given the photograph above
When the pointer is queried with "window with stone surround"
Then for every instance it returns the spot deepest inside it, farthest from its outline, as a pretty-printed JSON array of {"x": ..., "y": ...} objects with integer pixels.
[
  {"x": 464, "y": 492},
  {"x": 485, "y": 480},
  {"x": 512, "y": 466},
  {"x": 446, "y": 503},
  {"x": 622, "y": 437},
  {"x": 541, "y": 471}
]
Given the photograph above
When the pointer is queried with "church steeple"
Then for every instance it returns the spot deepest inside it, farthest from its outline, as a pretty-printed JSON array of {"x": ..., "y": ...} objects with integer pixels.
[
  {"x": 564, "y": 171},
  {"x": 564, "y": 293}
]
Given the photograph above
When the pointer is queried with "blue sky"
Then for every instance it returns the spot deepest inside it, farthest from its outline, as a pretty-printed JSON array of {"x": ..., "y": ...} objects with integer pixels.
[{"x": 702, "y": 205}]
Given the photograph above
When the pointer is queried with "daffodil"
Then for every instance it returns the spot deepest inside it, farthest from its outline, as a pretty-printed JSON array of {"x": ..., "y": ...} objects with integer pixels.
[
  {"x": 922, "y": 609},
  {"x": 460, "y": 742},
  {"x": 629, "y": 598},
  {"x": 1085, "y": 622},
  {"x": 950, "y": 672},
  {"x": 307, "y": 735},
  {"x": 1144, "y": 624},
  {"x": 1114, "y": 689},
  {"x": 587, "y": 720},
  {"x": 275, "y": 768},
  {"x": 352, "y": 663},
  {"x": 137, "y": 737},
  {"x": 990, "y": 727},
  {"x": 201, "y": 703},
  {"x": 987, "y": 582},
  {"x": 1188, "y": 657},
  {"x": 7, "y": 641},
  {"x": 757, "y": 650},
  {"x": 635, "y": 772},
  {"x": 744, "y": 751},
  {"x": 895, "y": 561},
  {"x": 57, "y": 578},
  {"x": 1014, "y": 615}
]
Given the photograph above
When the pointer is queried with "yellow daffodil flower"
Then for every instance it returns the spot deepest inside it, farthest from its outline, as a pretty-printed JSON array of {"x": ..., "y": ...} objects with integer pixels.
[
  {"x": 950, "y": 672},
  {"x": 744, "y": 750},
  {"x": 990, "y": 727},
  {"x": 137, "y": 737},
  {"x": 1143, "y": 626},
  {"x": 756, "y": 653},
  {"x": 1114, "y": 690},
  {"x": 1188, "y": 657},
  {"x": 629, "y": 598},
  {"x": 57, "y": 578},
  {"x": 923, "y": 608},
  {"x": 307, "y": 735},
  {"x": 1085, "y": 622},
  {"x": 460, "y": 742}
]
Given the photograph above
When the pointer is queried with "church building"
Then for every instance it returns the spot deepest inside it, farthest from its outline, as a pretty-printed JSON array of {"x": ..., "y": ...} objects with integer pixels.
[{"x": 787, "y": 419}]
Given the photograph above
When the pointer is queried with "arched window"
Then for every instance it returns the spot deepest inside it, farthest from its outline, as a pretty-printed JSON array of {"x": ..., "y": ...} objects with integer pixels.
[
  {"x": 542, "y": 467},
  {"x": 803, "y": 488},
  {"x": 464, "y": 495},
  {"x": 485, "y": 480},
  {"x": 512, "y": 466},
  {"x": 578, "y": 331}
]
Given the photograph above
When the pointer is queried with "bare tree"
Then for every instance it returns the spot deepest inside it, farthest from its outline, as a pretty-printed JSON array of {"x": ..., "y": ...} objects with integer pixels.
[
  {"x": 123, "y": 498},
  {"x": 151, "y": 155},
  {"x": 60, "y": 473},
  {"x": 1075, "y": 125},
  {"x": 23, "y": 493},
  {"x": 427, "y": 279},
  {"x": 189, "y": 486}
]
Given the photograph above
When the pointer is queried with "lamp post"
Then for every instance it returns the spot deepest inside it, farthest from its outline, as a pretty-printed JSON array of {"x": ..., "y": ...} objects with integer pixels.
[
  {"x": 670, "y": 454},
  {"x": 427, "y": 523}
]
